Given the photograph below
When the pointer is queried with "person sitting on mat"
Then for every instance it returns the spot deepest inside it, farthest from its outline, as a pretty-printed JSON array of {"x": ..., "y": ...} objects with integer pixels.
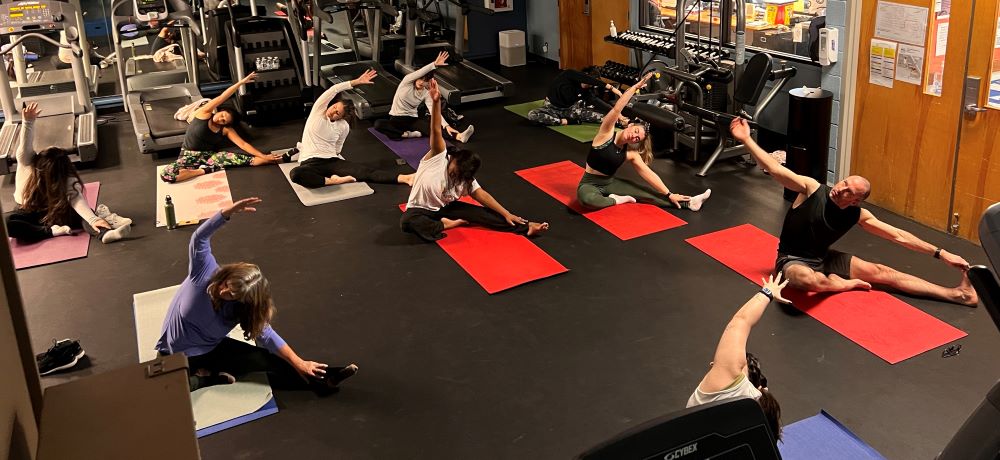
[
  {"x": 443, "y": 177},
  {"x": 571, "y": 99},
  {"x": 212, "y": 124},
  {"x": 599, "y": 188},
  {"x": 214, "y": 299},
  {"x": 735, "y": 372},
  {"x": 49, "y": 194},
  {"x": 821, "y": 215},
  {"x": 412, "y": 92},
  {"x": 320, "y": 161}
]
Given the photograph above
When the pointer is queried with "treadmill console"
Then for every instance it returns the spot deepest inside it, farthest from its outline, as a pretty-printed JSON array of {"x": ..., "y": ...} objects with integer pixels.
[
  {"x": 150, "y": 10},
  {"x": 32, "y": 15}
]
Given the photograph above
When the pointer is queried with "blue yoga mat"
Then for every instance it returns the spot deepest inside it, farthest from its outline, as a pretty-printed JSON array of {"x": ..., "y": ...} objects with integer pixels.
[
  {"x": 822, "y": 437},
  {"x": 270, "y": 408}
]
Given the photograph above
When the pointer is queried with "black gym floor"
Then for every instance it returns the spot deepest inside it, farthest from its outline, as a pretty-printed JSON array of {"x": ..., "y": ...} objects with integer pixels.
[{"x": 541, "y": 371}]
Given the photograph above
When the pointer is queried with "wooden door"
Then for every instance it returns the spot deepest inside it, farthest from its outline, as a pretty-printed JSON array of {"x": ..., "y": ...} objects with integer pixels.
[
  {"x": 904, "y": 140},
  {"x": 977, "y": 180},
  {"x": 574, "y": 35},
  {"x": 602, "y": 12}
]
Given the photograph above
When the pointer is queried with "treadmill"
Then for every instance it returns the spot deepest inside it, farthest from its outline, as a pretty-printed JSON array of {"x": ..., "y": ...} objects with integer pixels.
[
  {"x": 370, "y": 101},
  {"x": 52, "y": 81},
  {"x": 461, "y": 80},
  {"x": 152, "y": 99},
  {"x": 68, "y": 120}
]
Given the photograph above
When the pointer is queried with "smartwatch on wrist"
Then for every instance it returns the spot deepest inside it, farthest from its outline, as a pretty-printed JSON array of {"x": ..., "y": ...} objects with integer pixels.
[
  {"x": 937, "y": 253},
  {"x": 767, "y": 292}
]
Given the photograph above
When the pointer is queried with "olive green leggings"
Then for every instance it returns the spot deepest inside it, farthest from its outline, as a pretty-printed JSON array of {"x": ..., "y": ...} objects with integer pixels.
[{"x": 593, "y": 192}]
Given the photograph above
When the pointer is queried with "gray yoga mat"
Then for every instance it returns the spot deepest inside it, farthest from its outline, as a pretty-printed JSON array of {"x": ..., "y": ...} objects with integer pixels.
[{"x": 323, "y": 195}]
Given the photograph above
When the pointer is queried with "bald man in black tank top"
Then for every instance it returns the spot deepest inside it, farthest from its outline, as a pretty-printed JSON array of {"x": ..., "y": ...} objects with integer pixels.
[{"x": 821, "y": 215}]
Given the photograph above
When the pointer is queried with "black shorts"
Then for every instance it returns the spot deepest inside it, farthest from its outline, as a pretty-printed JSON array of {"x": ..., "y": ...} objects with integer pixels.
[{"x": 835, "y": 263}]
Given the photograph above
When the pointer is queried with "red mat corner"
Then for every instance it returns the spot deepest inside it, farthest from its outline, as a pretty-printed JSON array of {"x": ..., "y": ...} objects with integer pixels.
[
  {"x": 882, "y": 324},
  {"x": 628, "y": 221},
  {"x": 497, "y": 260}
]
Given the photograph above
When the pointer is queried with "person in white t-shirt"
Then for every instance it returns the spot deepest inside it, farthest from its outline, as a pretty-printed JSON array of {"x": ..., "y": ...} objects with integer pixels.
[
  {"x": 320, "y": 159},
  {"x": 735, "y": 373},
  {"x": 442, "y": 178},
  {"x": 405, "y": 111}
]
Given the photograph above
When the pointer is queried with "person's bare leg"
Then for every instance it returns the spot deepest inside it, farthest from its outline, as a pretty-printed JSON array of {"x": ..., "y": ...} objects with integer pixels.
[
  {"x": 405, "y": 179},
  {"x": 536, "y": 228},
  {"x": 452, "y": 223},
  {"x": 188, "y": 174},
  {"x": 337, "y": 180},
  {"x": 804, "y": 278},
  {"x": 962, "y": 294}
]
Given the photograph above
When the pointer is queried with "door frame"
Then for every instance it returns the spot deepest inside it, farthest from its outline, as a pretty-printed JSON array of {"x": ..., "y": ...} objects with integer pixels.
[{"x": 849, "y": 84}]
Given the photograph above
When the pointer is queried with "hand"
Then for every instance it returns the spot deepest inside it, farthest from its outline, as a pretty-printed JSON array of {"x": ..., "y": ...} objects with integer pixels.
[
  {"x": 677, "y": 199},
  {"x": 451, "y": 131},
  {"x": 514, "y": 220},
  {"x": 272, "y": 156},
  {"x": 101, "y": 224},
  {"x": 618, "y": 92},
  {"x": 365, "y": 78},
  {"x": 30, "y": 112},
  {"x": 432, "y": 87},
  {"x": 311, "y": 369},
  {"x": 740, "y": 129},
  {"x": 248, "y": 78},
  {"x": 954, "y": 260},
  {"x": 642, "y": 83},
  {"x": 442, "y": 59},
  {"x": 244, "y": 205},
  {"x": 775, "y": 285}
]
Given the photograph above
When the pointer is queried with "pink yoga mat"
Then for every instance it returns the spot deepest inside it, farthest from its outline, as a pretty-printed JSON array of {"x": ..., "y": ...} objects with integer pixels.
[
  {"x": 879, "y": 322},
  {"x": 626, "y": 221},
  {"x": 56, "y": 249}
]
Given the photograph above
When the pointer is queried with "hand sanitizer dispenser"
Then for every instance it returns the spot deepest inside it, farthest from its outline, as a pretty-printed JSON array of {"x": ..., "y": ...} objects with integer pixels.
[{"x": 829, "y": 45}]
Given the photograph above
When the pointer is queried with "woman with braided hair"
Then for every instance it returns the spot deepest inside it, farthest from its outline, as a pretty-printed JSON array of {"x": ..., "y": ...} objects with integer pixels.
[{"x": 735, "y": 373}]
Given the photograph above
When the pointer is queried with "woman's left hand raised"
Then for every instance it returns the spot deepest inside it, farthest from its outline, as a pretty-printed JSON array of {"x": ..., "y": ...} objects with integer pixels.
[{"x": 244, "y": 205}]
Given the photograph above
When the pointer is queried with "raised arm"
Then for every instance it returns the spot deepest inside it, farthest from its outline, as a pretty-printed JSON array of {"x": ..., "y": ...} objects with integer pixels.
[
  {"x": 25, "y": 153},
  {"x": 413, "y": 76},
  {"x": 202, "y": 262},
  {"x": 207, "y": 109},
  {"x": 801, "y": 184},
  {"x": 321, "y": 102},
  {"x": 608, "y": 123},
  {"x": 437, "y": 139},
  {"x": 731, "y": 353},
  {"x": 873, "y": 225}
]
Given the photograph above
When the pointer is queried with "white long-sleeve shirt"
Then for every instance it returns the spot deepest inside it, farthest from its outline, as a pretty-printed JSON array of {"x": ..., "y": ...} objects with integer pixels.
[
  {"x": 321, "y": 137},
  {"x": 25, "y": 168},
  {"x": 407, "y": 100}
]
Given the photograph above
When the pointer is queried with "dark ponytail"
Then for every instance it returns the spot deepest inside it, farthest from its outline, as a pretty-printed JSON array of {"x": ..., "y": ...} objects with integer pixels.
[
  {"x": 767, "y": 401},
  {"x": 466, "y": 165}
]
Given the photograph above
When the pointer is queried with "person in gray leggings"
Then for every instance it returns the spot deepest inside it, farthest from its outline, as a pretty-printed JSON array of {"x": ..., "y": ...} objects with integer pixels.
[{"x": 599, "y": 188}]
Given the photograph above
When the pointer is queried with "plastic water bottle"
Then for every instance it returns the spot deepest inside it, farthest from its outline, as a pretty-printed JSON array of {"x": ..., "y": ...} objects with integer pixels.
[
  {"x": 614, "y": 30},
  {"x": 168, "y": 209}
]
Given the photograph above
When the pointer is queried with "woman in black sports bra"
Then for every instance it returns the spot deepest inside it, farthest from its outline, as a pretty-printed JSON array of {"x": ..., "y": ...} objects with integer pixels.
[{"x": 600, "y": 189}]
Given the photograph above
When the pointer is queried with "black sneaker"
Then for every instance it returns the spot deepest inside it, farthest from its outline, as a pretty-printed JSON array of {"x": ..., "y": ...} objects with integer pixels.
[
  {"x": 287, "y": 156},
  {"x": 64, "y": 354},
  {"x": 328, "y": 384},
  {"x": 451, "y": 116}
]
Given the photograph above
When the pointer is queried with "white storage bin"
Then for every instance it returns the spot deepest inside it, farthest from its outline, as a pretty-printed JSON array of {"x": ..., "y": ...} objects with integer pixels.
[{"x": 513, "y": 51}]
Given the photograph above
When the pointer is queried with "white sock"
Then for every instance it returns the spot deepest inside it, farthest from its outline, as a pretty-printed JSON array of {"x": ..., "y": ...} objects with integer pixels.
[
  {"x": 61, "y": 230},
  {"x": 411, "y": 134},
  {"x": 464, "y": 136},
  {"x": 698, "y": 200},
  {"x": 621, "y": 199},
  {"x": 114, "y": 235}
]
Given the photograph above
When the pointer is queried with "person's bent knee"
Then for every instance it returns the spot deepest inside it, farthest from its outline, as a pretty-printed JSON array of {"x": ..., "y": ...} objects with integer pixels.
[{"x": 802, "y": 277}]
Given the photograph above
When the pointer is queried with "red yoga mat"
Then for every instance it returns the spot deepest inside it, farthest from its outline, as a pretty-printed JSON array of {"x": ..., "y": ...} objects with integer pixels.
[
  {"x": 58, "y": 249},
  {"x": 879, "y": 322},
  {"x": 626, "y": 221},
  {"x": 497, "y": 260}
]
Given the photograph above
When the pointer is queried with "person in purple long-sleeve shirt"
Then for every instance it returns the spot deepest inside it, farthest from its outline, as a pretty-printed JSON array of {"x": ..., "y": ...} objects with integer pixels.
[{"x": 212, "y": 300}]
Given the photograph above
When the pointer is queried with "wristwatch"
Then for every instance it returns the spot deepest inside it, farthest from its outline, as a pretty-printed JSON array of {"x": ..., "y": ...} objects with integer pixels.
[
  {"x": 767, "y": 292},
  {"x": 937, "y": 253}
]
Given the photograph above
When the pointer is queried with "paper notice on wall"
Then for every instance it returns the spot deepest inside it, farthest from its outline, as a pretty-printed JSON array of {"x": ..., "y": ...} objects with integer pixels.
[
  {"x": 902, "y": 23},
  {"x": 941, "y": 43},
  {"x": 910, "y": 64},
  {"x": 883, "y": 63}
]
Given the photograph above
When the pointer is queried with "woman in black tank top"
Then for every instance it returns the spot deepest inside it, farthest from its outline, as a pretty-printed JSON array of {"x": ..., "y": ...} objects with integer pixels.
[
  {"x": 200, "y": 153},
  {"x": 610, "y": 150}
]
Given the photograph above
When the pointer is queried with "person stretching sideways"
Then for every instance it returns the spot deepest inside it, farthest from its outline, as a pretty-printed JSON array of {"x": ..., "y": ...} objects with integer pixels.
[
  {"x": 320, "y": 159},
  {"x": 411, "y": 92},
  {"x": 200, "y": 152},
  {"x": 572, "y": 100},
  {"x": 735, "y": 373},
  {"x": 445, "y": 176},
  {"x": 821, "y": 215},
  {"x": 599, "y": 188}
]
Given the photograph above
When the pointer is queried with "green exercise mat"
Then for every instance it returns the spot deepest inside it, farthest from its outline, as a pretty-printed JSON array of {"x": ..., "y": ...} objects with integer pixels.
[{"x": 579, "y": 133}]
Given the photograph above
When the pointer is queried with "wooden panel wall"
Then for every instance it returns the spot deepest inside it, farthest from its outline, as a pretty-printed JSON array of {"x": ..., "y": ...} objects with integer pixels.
[
  {"x": 575, "y": 51},
  {"x": 602, "y": 12}
]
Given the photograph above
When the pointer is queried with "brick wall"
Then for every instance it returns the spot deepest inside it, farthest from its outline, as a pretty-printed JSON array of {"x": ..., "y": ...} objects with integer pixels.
[{"x": 836, "y": 17}]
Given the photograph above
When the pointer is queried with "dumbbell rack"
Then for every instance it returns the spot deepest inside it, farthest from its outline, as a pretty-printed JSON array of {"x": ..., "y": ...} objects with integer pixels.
[
  {"x": 662, "y": 45},
  {"x": 276, "y": 94},
  {"x": 621, "y": 73}
]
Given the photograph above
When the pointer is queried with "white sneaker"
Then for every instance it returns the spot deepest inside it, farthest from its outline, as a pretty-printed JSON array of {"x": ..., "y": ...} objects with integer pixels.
[
  {"x": 114, "y": 235},
  {"x": 464, "y": 136}
]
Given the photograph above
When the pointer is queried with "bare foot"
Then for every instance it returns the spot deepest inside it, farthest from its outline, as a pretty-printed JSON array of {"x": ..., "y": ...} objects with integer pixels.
[
  {"x": 452, "y": 223},
  {"x": 965, "y": 294},
  {"x": 535, "y": 228},
  {"x": 850, "y": 285},
  {"x": 406, "y": 179},
  {"x": 337, "y": 180}
]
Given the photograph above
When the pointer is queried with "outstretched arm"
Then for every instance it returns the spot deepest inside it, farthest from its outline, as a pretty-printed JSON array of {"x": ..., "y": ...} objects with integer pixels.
[
  {"x": 437, "y": 139},
  {"x": 233, "y": 136},
  {"x": 731, "y": 353},
  {"x": 650, "y": 177},
  {"x": 202, "y": 262},
  {"x": 484, "y": 198},
  {"x": 321, "y": 102},
  {"x": 801, "y": 184},
  {"x": 873, "y": 225},
  {"x": 413, "y": 76},
  {"x": 609, "y": 120},
  {"x": 25, "y": 152},
  {"x": 206, "y": 110}
]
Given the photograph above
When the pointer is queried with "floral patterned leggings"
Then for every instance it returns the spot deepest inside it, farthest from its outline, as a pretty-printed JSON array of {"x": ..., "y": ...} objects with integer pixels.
[{"x": 209, "y": 161}]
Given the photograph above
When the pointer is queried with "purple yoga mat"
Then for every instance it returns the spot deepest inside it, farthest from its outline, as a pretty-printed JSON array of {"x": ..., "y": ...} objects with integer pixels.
[
  {"x": 411, "y": 150},
  {"x": 59, "y": 248}
]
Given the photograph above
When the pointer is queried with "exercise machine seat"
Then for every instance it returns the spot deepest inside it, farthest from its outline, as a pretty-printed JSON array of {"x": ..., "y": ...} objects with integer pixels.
[{"x": 755, "y": 76}]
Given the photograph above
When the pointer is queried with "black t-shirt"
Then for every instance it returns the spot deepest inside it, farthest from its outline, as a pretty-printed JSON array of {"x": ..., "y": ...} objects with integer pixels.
[
  {"x": 810, "y": 229},
  {"x": 200, "y": 138},
  {"x": 566, "y": 90}
]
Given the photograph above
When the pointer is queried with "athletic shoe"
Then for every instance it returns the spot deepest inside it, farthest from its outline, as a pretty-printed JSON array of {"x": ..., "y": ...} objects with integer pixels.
[
  {"x": 464, "y": 136},
  {"x": 63, "y": 354},
  {"x": 287, "y": 156},
  {"x": 328, "y": 384},
  {"x": 451, "y": 115},
  {"x": 111, "y": 236}
]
